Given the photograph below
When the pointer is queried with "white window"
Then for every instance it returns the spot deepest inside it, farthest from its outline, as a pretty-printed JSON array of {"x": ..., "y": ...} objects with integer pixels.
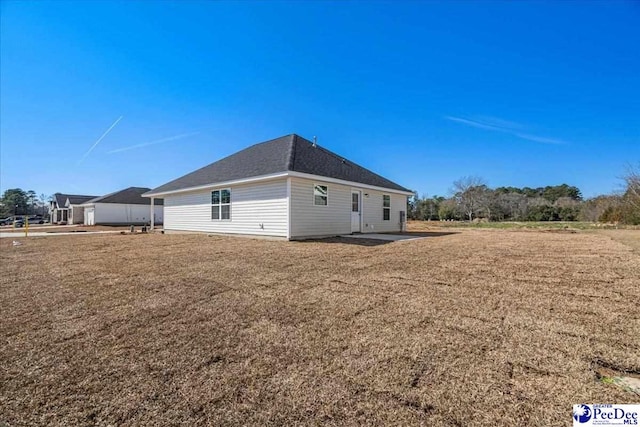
[
  {"x": 386, "y": 207},
  {"x": 221, "y": 204},
  {"x": 355, "y": 202},
  {"x": 320, "y": 195}
]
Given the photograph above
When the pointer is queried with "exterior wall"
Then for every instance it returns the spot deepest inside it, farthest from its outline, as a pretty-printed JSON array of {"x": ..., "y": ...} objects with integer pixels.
[
  {"x": 76, "y": 215},
  {"x": 372, "y": 221},
  {"x": 118, "y": 213},
  {"x": 309, "y": 220},
  {"x": 257, "y": 209}
]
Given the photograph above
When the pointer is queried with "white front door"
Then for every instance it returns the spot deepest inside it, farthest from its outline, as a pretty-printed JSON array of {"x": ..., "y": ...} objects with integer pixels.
[{"x": 356, "y": 211}]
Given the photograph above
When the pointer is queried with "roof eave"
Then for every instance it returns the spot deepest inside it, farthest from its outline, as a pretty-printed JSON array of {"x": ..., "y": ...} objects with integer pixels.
[
  {"x": 351, "y": 183},
  {"x": 250, "y": 180},
  {"x": 159, "y": 194}
]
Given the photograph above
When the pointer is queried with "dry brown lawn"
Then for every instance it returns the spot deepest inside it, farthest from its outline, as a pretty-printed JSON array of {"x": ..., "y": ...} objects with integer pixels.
[
  {"x": 480, "y": 327},
  {"x": 64, "y": 229}
]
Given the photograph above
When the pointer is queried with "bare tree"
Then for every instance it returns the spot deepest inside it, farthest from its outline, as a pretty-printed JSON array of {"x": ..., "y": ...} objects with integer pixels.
[
  {"x": 43, "y": 200},
  {"x": 469, "y": 193},
  {"x": 594, "y": 209},
  {"x": 488, "y": 201},
  {"x": 512, "y": 206},
  {"x": 632, "y": 181},
  {"x": 631, "y": 197}
]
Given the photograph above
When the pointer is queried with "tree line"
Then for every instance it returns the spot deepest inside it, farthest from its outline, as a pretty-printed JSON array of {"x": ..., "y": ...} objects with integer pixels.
[
  {"x": 472, "y": 200},
  {"x": 16, "y": 201}
]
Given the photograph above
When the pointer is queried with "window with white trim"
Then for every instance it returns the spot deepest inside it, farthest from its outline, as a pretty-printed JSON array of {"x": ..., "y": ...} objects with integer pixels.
[
  {"x": 221, "y": 204},
  {"x": 386, "y": 207},
  {"x": 320, "y": 195}
]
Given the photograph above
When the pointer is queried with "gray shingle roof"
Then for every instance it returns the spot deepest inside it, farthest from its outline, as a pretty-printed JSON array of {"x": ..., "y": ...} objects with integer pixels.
[
  {"x": 61, "y": 199},
  {"x": 78, "y": 200},
  {"x": 129, "y": 196},
  {"x": 287, "y": 153}
]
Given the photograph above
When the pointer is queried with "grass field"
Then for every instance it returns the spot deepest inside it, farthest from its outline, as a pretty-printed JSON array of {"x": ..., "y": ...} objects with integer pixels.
[
  {"x": 464, "y": 328},
  {"x": 524, "y": 225}
]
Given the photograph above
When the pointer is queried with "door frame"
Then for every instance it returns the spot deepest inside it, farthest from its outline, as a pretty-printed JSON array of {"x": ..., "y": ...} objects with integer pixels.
[{"x": 360, "y": 210}]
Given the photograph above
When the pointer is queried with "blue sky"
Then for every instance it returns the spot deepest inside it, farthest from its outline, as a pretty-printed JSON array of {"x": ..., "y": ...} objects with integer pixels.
[{"x": 519, "y": 93}]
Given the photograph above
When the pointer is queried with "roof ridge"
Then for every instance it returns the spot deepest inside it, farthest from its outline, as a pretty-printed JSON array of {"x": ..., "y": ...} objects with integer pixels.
[
  {"x": 126, "y": 195},
  {"x": 110, "y": 194},
  {"x": 260, "y": 143},
  {"x": 334, "y": 155}
]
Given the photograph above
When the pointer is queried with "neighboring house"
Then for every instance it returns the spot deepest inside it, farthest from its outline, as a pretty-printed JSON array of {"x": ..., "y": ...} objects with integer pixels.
[
  {"x": 124, "y": 207},
  {"x": 75, "y": 208},
  {"x": 65, "y": 208},
  {"x": 287, "y": 187}
]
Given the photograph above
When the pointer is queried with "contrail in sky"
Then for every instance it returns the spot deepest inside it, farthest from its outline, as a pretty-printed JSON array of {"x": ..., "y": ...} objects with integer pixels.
[
  {"x": 158, "y": 141},
  {"x": 506, "y": 127},
  {"x": 99, "y": 139}
]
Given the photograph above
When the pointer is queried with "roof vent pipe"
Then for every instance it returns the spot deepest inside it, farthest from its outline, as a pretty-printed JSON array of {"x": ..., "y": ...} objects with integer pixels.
[{"x": 315, "y": 141}]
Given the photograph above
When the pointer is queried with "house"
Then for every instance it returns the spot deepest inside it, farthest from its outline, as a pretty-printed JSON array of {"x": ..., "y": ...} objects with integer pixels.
[
  {"x": 287, "y": 187},
  {"x": 66, "y": 208},
  {"x": 124, "y": 207}
]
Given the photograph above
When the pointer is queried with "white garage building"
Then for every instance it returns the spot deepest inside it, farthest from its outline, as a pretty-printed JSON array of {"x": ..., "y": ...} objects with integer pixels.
[{"x": 124, "y": 207}]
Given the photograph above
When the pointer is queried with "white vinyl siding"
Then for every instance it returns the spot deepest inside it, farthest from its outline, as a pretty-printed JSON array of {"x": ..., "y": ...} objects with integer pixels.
[
  {"x": 120, "y": 213},
  {"x": 372, "y": 211},
  {"x": 283, "y": 207},
  {"x": 308, "y": 219},
  {"x": 258, "y": 209}
]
